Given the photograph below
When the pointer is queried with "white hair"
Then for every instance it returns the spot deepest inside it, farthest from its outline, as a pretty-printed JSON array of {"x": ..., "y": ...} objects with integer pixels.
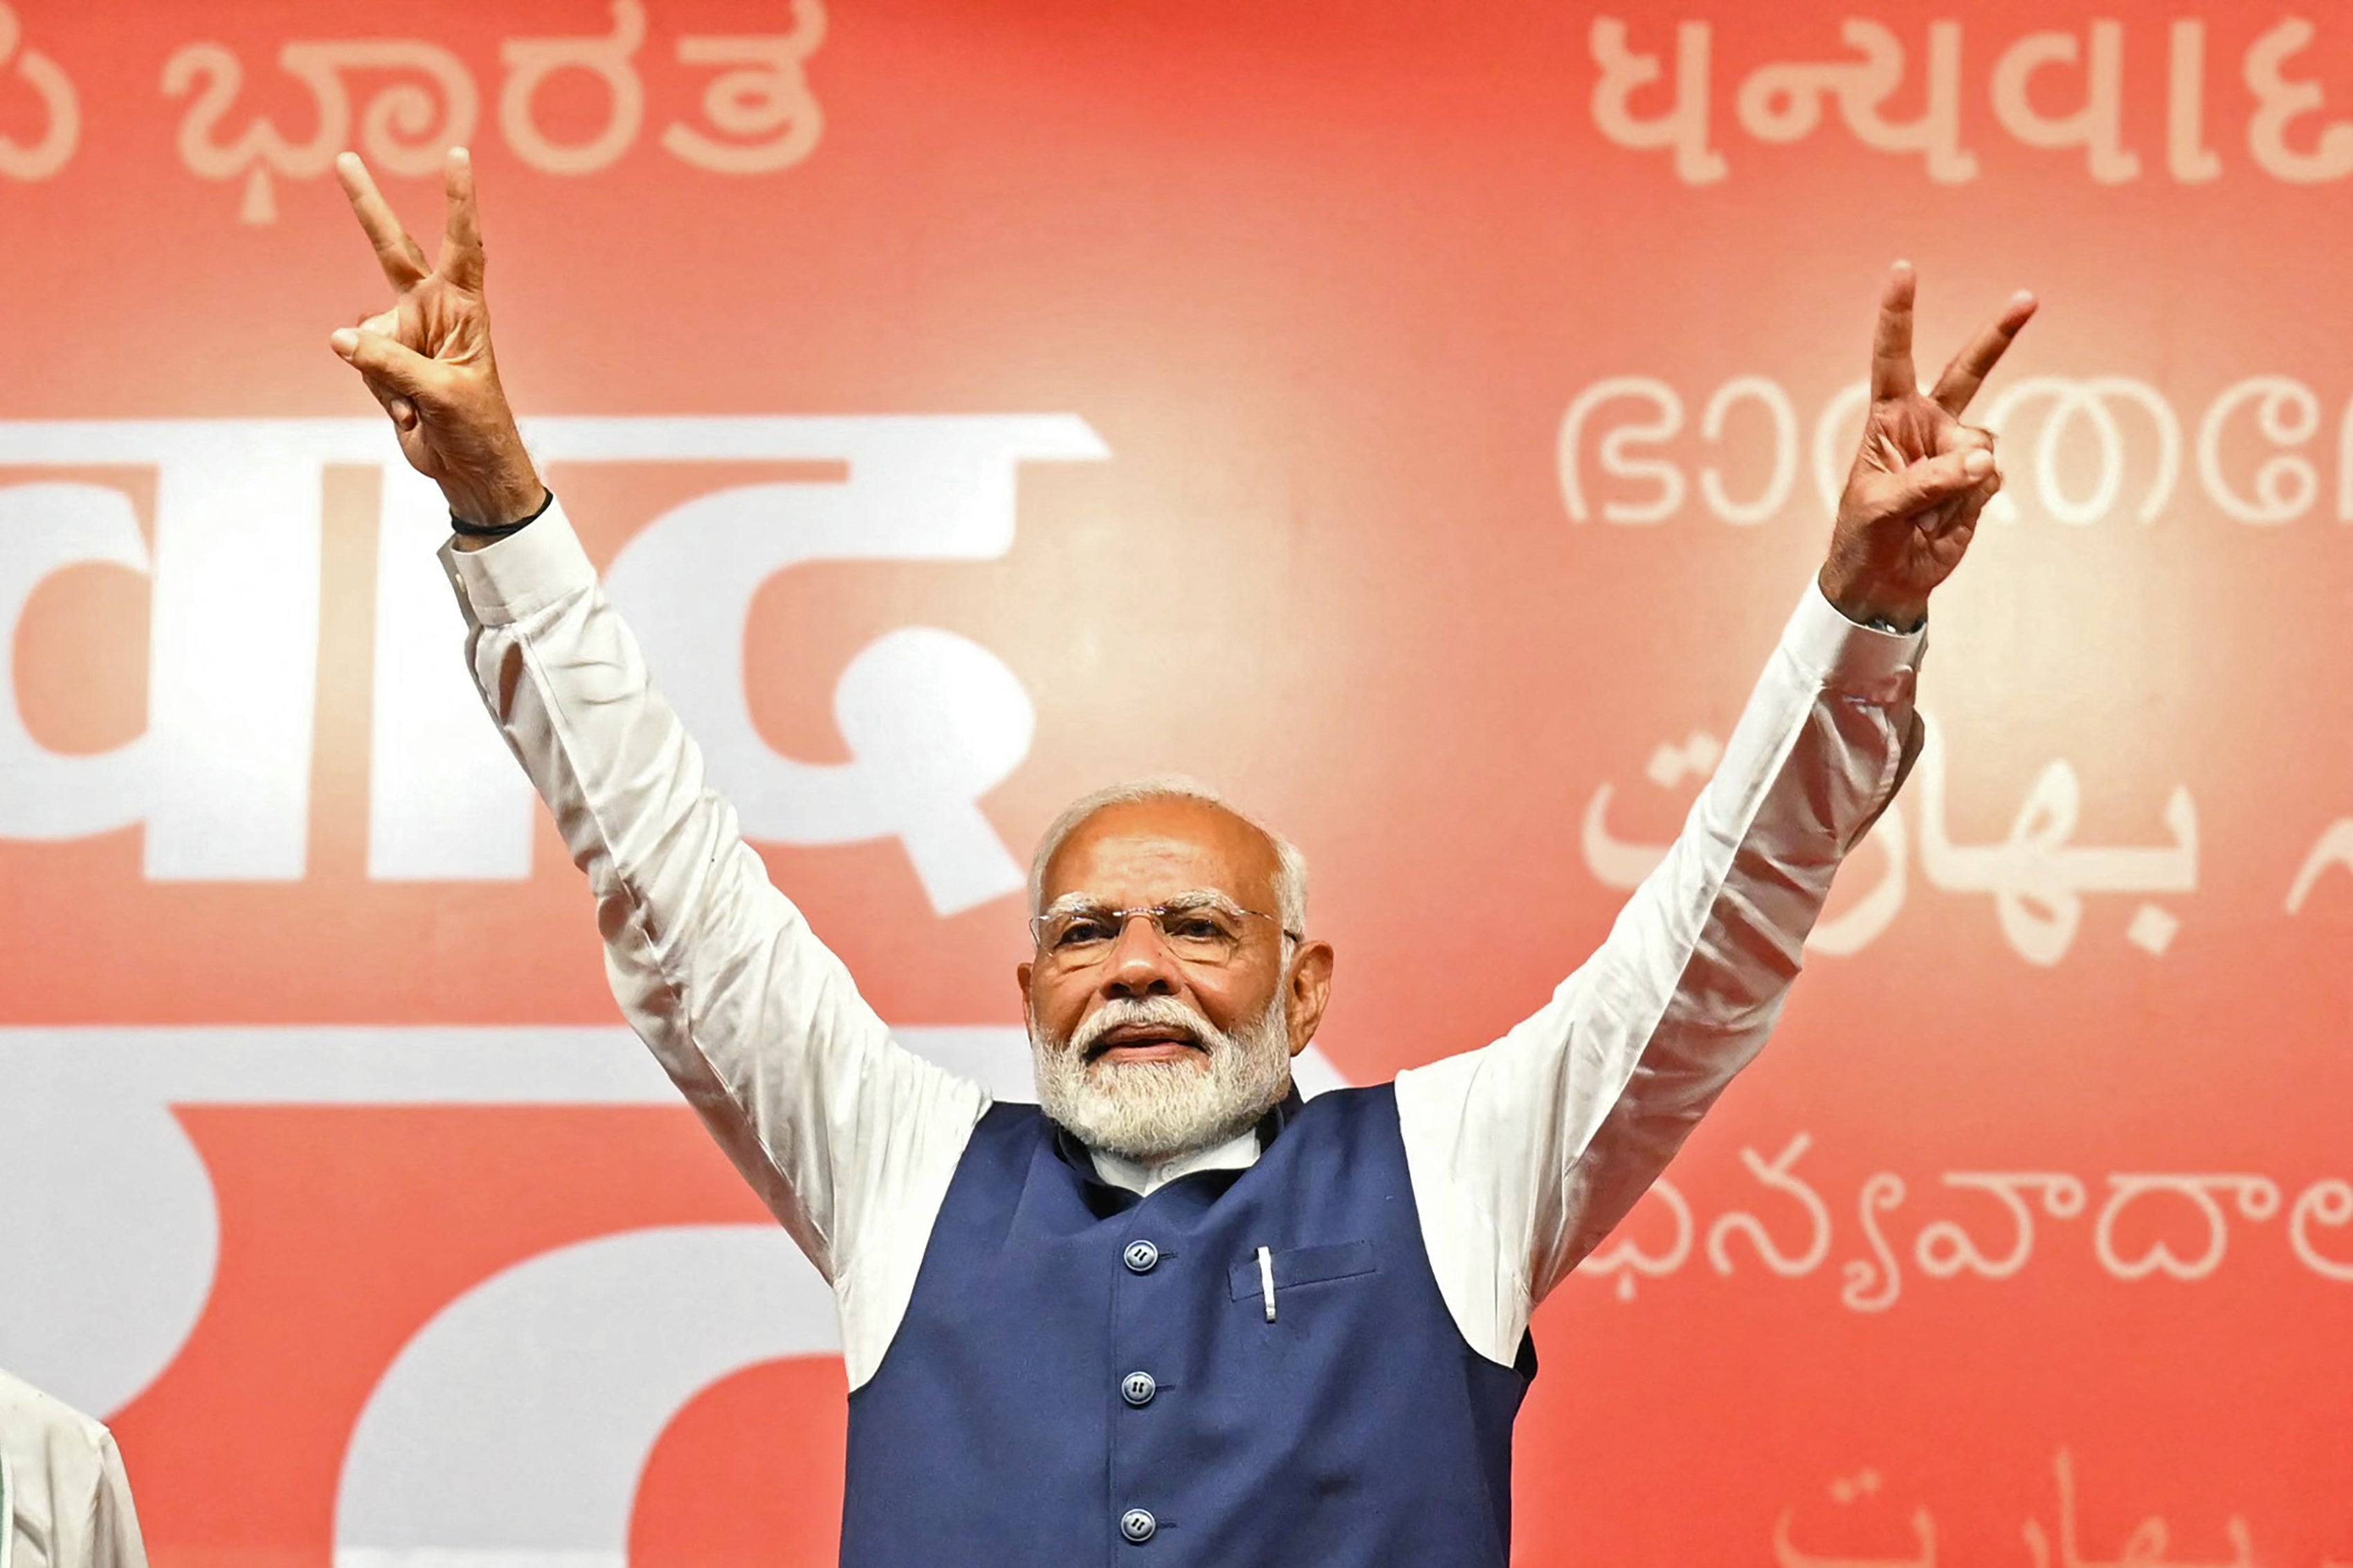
[{"x": 1291, "y": 866}]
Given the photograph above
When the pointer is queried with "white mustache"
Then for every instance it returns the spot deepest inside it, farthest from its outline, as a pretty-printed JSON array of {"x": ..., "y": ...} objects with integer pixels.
[{"x": 1155, "y": 1012}]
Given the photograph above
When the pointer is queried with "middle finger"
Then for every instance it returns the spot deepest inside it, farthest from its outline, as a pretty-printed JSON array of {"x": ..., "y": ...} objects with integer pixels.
[{"x": 1968, "y": 369}]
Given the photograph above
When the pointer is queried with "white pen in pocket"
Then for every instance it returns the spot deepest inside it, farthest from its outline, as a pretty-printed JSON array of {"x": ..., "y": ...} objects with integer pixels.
[{"x": 1266, "y": 1279}]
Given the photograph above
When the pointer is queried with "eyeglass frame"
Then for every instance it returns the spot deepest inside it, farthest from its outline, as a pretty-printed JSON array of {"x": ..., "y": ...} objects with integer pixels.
[{"x": 1204, "y": 898}]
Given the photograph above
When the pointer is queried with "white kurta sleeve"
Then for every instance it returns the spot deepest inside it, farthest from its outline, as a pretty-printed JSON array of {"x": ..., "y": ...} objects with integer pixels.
[
  {"x": 1525, "y": 1153},
  {"x": 114, "y": 1539},
  {"x": 65, "y": 1501},
  {"x": 848, "y": 1138}
]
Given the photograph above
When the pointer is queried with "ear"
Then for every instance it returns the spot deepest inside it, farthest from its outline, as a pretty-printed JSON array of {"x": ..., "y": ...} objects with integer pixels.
[
  {"x": 1021, "y": 978},
  {"x": 1306, "y": 992}
]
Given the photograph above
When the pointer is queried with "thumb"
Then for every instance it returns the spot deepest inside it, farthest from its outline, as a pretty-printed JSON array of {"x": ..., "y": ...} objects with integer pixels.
[
  {"x": 1931, "y": 481},
  {"x": 389, "y": 365}
]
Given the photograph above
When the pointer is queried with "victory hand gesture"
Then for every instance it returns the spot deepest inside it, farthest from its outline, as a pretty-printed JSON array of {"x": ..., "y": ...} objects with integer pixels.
[
  {"x": 428, "y": 359},
  {"x": 1921, "y": 477}
]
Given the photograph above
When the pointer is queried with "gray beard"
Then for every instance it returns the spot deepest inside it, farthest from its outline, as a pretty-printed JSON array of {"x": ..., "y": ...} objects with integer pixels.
[{"x": 1153, "y": 1111}]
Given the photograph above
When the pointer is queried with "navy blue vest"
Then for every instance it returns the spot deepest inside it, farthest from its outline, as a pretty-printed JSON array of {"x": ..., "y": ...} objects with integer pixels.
[{"x": 1088, "y": 1377}]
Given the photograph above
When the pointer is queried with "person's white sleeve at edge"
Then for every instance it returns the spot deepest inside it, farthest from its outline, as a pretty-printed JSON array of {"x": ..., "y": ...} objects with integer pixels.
[
  {"x": 848, "y": 1137},
  {"x": 1526, "y": 1152},
  {"x": 69, "y": 1499}
]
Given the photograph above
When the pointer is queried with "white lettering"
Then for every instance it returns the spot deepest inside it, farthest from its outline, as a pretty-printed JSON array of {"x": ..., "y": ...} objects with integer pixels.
[
  {"x": 59, "y": 105},
  {"x": 2287, "y": 415},
  {"x": 2280, "y": 102},
  {"x": 1684, "y": 127},
  {"x": 2097, "y": 126}
]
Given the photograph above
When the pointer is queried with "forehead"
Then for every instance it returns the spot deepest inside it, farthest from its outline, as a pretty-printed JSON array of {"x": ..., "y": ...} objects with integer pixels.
[{"x": 1143, "y": 851}]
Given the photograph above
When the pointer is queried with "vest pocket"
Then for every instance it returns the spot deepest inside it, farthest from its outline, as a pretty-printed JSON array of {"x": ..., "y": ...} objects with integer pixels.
[{"x": 1302, "y": 1266}]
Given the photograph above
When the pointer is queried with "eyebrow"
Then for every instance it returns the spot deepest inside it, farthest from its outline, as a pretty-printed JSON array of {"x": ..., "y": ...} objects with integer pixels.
[{"x": 1191, "y": 897}]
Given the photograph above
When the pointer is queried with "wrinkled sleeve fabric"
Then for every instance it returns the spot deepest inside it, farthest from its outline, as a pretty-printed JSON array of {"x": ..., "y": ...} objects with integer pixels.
[
  {"x": 114, "y": 1539},
  {"x": 849, "y": 1139},
  {"x": 1526, "y": 1152},
  {"x": 67, "y": 1499}
]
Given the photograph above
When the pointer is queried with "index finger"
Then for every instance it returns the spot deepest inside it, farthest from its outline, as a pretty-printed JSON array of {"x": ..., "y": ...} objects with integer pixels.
[
  {"x": 1961, "y": 379},
  {"x": 399, "y": 256},
  {"x": 1891, "y": 374},
  {"x": 461, "y": 233}
]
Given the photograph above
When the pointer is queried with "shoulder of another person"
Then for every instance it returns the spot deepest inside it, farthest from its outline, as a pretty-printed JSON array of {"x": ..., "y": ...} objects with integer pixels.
[{"x": 32, "y": 1421}]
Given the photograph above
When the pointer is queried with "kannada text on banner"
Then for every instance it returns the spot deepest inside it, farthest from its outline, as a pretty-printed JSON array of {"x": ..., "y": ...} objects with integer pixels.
[{"x": 1417, "y": 420}]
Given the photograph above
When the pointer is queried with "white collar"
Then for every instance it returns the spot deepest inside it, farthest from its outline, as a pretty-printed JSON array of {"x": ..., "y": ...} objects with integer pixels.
[{"x": 1237, "y": 1153}]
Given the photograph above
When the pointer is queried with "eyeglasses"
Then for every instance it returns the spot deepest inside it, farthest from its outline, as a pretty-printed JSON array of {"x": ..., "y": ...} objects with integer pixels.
[{"x": 1202, "y": 928}]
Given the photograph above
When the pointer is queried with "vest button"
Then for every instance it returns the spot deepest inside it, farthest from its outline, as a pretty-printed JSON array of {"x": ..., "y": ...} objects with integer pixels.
[
  {"x": 1137, "y": 1388},
  {"x": 1138, "y": 1525},
  {"x": 1142, "y": 1257}
]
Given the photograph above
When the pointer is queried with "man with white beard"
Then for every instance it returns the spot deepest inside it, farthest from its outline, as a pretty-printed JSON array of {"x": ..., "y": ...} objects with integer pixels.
[
  {"x": 1175, "y": 1314},
  {"x": 1130, "y": 1080}
]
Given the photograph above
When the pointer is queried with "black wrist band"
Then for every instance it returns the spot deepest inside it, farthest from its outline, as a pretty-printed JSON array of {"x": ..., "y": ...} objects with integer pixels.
[{"x": 459, "y": 525}]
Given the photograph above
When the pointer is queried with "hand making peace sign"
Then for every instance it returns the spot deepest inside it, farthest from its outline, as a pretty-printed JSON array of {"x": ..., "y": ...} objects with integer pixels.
[
  {"x": 1921, "y": 477},
  {"x": 1912, "y": 502},
  {"x": 428, "y": 359}
]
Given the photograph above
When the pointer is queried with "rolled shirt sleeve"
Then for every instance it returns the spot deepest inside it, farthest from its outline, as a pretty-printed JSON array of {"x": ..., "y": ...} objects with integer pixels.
[{"x": 1526, "y": 1152}]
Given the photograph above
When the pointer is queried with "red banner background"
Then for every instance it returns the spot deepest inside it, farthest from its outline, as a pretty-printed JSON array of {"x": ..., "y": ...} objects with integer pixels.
[{"x": 1342, "y": 291}]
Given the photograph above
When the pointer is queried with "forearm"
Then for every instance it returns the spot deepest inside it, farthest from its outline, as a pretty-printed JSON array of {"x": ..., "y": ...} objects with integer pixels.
[
  {"x": 754, "y": 1019},
  {"x": 1818, "y": 752},
  {"x": 1543, "y": 1139},
  {"x": 830, "y": 1120}
]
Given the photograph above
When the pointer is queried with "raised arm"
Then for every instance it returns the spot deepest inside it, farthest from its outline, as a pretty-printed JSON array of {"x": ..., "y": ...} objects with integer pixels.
[
  {"x": 1526, "y": 1152},
  {"x": 846, "y": 1136}
]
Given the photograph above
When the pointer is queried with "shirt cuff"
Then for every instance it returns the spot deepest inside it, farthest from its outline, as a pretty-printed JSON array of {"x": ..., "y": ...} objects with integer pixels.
[
  {"x": 521, "y": 573},
  {"x": 1841, "y": 655}
]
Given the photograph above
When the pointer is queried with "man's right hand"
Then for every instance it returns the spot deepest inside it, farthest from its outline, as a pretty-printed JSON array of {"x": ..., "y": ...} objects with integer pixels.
[{"x": 428, "y": 359}]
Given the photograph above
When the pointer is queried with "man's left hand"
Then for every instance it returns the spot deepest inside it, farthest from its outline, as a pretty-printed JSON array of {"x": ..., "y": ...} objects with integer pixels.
[{"x": 1921, "y": 477}]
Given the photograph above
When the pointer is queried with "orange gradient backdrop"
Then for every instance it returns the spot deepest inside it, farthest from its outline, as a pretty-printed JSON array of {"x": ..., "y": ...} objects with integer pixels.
[{"x": 1366, "y": 304}]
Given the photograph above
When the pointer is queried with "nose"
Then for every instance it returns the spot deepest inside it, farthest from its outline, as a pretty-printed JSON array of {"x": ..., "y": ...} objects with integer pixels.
[{"x": 1140, "y": 963}]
